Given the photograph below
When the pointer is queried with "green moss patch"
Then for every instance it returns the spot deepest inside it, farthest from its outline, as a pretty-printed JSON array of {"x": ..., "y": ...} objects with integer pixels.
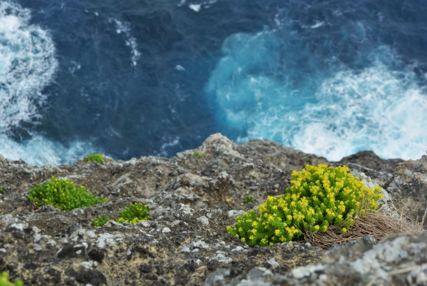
[
  {"x": 99, "y": 158},
  {"x": 64, "y": 195}
]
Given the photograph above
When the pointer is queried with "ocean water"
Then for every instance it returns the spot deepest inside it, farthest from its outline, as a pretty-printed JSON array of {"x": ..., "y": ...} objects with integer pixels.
[{"x": 136, "y": 78}]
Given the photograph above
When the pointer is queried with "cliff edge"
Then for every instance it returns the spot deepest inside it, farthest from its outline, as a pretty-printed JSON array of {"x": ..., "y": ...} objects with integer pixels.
[{"x": 193, "y": 197}]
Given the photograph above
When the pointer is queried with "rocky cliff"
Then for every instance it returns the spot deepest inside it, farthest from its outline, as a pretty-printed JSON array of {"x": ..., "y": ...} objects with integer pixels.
[{"x": 192, "y": 200}]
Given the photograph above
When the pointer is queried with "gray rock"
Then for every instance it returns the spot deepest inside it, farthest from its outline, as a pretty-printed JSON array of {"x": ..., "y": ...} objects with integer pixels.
[
  {"x": 192, "y": 201},
  {"x": 203, "y": 220}
]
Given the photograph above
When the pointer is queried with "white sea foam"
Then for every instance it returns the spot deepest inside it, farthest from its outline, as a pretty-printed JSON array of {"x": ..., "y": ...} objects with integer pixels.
[
  {"x": 380, "y": 107},
  {"x": 195, "y": 7},
  {"x": 130, "y": 40},
  {"x": 171, "y": 143},
  {"x": 27, "y": 65},
  {"x": 39, "y": 150},
  {"x": 376, "y": 109},
  {"x": 317, "y": 25}
]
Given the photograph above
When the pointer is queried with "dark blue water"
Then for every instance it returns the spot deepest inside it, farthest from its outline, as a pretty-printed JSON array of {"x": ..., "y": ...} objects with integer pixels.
[{"x": 136, "y": 78}]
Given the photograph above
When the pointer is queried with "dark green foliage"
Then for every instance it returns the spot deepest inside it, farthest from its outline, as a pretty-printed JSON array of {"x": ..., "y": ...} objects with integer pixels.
[
  {"x": 4, "y": 280},
  {"x": 95, "y": 158},
  {"x": 134, "y": 213},
  {"x": 248, "y": 199},
  {"x": 198, "y": 154},
  {"x": 1, "y": 190},
  {"x": 64, "y": 195},
  {"x": 100, "y": 221}
]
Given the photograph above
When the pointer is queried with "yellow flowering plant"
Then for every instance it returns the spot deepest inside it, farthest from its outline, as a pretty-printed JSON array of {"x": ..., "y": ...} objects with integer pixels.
[
  {"x": 318, "y": 197},
  {"x": 63, "y": 194}
]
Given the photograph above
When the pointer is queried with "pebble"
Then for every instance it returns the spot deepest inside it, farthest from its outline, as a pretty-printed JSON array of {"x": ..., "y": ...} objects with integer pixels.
[{"x": 204, "y": 220}]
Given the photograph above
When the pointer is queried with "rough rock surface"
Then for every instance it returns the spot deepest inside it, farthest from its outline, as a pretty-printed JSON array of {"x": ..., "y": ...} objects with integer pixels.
[{"x": 192, "y": 200}]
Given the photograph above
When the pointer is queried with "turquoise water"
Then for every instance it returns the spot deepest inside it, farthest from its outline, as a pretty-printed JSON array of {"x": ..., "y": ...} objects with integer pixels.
[{"x": 154, "y": 78}]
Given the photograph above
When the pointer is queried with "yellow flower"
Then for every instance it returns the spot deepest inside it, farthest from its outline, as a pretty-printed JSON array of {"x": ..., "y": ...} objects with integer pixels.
[{"x": 277, "y": 232}]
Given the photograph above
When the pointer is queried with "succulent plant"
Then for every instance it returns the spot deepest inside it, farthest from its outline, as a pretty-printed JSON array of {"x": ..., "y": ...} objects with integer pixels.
[
  {"x": 100, "y": 221},
  {"x": 134, "y": 213},
  {"x": 318, "y": 197},
  {"x": 63, "y": 194},
  {"x": 4, "y": 280},
  {"x": 248, "y": 199}
]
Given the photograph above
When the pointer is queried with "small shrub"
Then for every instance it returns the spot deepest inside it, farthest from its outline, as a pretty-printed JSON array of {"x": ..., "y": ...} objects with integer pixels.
[
  {"x": 63, "y": 194},
  {"x": 100, "y": 221},
  {"x": 1, "y": 190},
  {"x": 134, "y": 213},
  {"x": 198, "y": 154},
  {"x": 248, "y": 199},
  {"x": 95, "y": 158},
  {"x": 4, "y": 280},
  {"x": 318, "y": 197}
]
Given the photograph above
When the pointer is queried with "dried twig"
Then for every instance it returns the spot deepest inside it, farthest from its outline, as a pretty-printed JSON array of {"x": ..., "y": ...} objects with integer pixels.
[
  {"x": 377, "y": 224},
  {"x": 398, "y": 271}
]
